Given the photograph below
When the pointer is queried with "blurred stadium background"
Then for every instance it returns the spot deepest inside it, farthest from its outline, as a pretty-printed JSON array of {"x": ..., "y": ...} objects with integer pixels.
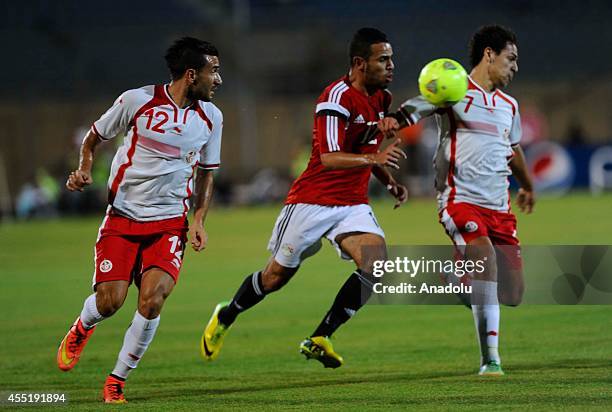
[{"x": 66, "y": 61}]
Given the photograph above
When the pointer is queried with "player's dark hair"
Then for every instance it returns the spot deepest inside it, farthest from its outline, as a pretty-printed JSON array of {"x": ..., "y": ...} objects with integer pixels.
[
  {"x": 188, "y": 53},
  {"x": 496, "y": 37},
  {"x": 362, "y": 40}
]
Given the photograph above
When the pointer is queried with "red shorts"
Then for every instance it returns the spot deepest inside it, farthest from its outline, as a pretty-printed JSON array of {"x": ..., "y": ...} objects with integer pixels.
[
  {"x": 465, "y": 222},
  {"x": 126, "y": 248}
]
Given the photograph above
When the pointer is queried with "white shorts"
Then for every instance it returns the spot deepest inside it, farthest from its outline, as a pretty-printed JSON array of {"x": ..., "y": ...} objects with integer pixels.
[{"x": 299, "y": 228}]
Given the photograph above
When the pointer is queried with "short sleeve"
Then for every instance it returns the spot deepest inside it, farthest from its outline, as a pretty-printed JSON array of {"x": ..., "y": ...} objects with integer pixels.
[
  {"x": 330, "y": 131},
  {"x": 516, "y": 132},
  {"x": 210, "y": 155},
  {"x": 336, "y": 101},
  {"x": 117, "y": 118},
  {"x": 331, "y": 116}
]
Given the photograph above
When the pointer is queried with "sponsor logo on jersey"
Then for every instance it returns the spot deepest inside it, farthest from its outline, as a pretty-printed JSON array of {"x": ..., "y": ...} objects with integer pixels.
[
  {"x": 359, "y": 119},
  {"x": 190, "y": 156},
  {"x": 471, "y": 226},
  {"x": 106, "y": 266},
  {"x": 287, "y": 249}
]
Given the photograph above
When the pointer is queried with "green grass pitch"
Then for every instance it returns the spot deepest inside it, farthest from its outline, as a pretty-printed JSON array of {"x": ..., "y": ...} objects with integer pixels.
[{"x": 397, "y": 357}]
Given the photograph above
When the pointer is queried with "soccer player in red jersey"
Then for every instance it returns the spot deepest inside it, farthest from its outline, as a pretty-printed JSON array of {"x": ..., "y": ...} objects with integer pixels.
[
  {"x": 171, "y": 131},
  {"x": 329, "y": 200},
  {"x": 477, "y": 151}
]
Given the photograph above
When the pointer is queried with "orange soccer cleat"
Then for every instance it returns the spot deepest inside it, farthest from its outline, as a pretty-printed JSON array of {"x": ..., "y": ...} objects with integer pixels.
[
  {"x": 72, "y": 345},
  {"x": 113, "y": 390}
]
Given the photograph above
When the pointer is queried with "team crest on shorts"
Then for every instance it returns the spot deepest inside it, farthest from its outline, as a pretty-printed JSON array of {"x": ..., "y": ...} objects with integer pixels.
[
  {"x": 471, "y": 226},
  {"x": 287, "y": 249},
  {"x": 106, "y": 266},
  {"x": 189, "y": 156}
]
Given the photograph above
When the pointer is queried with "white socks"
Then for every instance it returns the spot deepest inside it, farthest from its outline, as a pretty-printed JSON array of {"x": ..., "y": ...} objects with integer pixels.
[
  {"x": 486, "y": 318},
  {"x": 90, "y": 315},
  {"x": 136, "y": 341}
]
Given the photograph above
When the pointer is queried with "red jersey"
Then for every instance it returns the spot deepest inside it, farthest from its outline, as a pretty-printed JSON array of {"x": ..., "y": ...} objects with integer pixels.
[{"x": 341, "y": 119}]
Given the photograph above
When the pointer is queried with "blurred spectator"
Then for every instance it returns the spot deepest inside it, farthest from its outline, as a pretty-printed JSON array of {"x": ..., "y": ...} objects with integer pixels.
[
  {"x": 575, "y": 135},
  {"x": 32, "y": 202},
  {"x": 93, "y": 199},
  {"x": 266, "y": 186},
  {"x": 300, "y": 159},
  {"x": 39, "y": 197},
  {"x": 421, "y": 141},
  {"x": 49, "y": 186}
]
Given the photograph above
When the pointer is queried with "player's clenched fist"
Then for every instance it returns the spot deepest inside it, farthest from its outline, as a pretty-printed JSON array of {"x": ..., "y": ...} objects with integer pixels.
[
  {"x": 78, "y": 180},
  {"x": 198, "y": 236},
  {"x": 525, "y": 200},
  {"x": 388, "y": 126}
]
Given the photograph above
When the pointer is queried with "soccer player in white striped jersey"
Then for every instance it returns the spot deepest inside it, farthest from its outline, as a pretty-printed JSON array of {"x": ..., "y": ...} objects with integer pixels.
[
  {"x": 172, "y": 133},
  {"x": 477, "y": 151}
]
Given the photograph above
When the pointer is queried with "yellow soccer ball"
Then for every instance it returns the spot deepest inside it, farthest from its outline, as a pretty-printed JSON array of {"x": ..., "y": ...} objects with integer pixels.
[{"x": 443, "y": 82}]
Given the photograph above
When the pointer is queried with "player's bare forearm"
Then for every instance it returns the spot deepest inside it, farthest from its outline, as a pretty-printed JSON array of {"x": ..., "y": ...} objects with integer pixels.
[
  {"x": 383, "y": 175},
  {"x": 389, "y": 157},
  {"x": 525, "y": 198},
  {"x": 518, "y": 165},
  {"x": 203, "y": 194},
  {"x": 81, "y": 177},
  {"x": 342, "y": 160},
  {"x": 88, "y": 147}
]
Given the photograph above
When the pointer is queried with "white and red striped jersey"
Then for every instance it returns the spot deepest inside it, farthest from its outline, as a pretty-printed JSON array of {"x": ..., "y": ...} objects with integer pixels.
[
  {"x": 475, "y": 146},
  {"x": 342, "y": 117},
  {"x": 152, "y": 173}
]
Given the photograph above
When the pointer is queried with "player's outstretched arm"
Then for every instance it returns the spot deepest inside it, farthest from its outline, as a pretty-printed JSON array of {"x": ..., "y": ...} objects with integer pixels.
[
  {"x": 398, "y": 191},
  {"x": 526, "y": 196},
  {"x": 203, "y": 194},
  {"x": 409, "y": 113},
  {"x": 389, "y": 157},
  {"x": 81, "y": 177}
]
